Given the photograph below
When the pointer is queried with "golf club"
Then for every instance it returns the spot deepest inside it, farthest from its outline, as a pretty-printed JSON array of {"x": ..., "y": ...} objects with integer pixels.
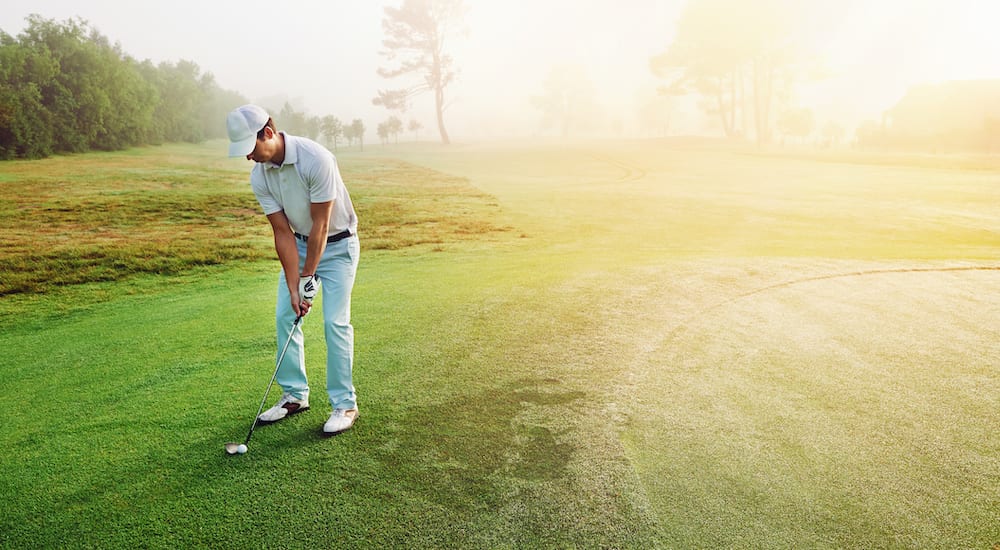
[{"x": 240, "y": 448}]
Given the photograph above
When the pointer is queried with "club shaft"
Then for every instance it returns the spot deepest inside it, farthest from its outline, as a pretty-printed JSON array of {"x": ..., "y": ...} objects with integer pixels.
[{"x": 281, "y": 356}]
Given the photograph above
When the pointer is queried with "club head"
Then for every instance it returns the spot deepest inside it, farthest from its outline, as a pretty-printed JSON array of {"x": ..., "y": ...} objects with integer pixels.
[{"x": 234, "y": 448}]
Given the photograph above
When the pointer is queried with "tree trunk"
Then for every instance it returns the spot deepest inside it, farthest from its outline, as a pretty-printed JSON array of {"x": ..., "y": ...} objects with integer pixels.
[
  {"x": 439, "y": 105},
  {"x": 762, "y": 84},
  {"x": 745, "y": 123},
  {"x": 732, "y": 103},
  {"x": 723, "y": 114},
  {"x": 756, "y": 100}
]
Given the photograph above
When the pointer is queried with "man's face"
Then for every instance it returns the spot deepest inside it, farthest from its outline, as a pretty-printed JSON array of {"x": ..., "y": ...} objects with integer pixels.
[{"x": 265, "y": 148}]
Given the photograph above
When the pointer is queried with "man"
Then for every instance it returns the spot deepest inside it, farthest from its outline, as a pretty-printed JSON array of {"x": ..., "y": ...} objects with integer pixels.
[{"x": 299, "y": 187}]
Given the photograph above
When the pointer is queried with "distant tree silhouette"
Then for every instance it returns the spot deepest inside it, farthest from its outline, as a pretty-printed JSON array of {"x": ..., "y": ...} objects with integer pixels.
[
  {"x": 797, "y": 123},
  {"x": 332, "y": 129},
  {"x": 833, "y": 134},
  {"x": 414, "y": 40},
  {"x": 415, "y": 127},
  {"x": 358, "y": 130},
  {"x": 382, "y": 132},
  {"x": 567, "y": 102},
  {"x": 738, "y": 54}
]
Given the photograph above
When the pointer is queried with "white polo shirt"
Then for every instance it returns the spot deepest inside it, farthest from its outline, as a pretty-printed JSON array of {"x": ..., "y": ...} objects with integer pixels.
[{"x": 308, "y": 174}]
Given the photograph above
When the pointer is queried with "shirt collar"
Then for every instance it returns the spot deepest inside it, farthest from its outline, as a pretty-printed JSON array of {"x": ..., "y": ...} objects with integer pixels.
[{"x": 291, "y": 152}]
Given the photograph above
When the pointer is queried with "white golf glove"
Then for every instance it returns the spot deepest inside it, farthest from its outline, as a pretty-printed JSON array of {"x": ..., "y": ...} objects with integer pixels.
[{"x": 308, "y": 287}]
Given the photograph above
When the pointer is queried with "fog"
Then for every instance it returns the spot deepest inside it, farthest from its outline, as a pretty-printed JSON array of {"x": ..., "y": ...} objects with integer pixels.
[{"x": 322, "y": 56}]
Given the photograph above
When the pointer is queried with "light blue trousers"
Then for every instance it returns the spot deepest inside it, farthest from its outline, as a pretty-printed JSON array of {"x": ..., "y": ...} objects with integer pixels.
[{"x": 336, "y": 272}]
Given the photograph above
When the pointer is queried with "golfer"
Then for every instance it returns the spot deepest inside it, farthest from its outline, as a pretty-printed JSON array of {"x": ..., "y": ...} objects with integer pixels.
[{"x": 298, "y": 185}]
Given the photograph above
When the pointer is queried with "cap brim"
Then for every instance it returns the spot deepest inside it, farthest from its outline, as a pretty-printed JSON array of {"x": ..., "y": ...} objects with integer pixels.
[{"x": 242, "y": 148}]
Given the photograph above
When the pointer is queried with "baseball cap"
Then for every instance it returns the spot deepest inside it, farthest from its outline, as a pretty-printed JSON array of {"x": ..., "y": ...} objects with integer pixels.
[{"x": 243, "y": 123}]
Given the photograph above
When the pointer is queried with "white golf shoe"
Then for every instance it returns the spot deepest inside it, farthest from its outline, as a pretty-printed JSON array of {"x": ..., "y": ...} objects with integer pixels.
[
  {"x": 285, "y": 407},
  {"x": 340, "y": 421}
]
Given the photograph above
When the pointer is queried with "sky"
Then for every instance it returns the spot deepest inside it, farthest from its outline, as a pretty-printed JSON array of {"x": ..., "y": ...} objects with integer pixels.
[{"x": 323, "y": 54}]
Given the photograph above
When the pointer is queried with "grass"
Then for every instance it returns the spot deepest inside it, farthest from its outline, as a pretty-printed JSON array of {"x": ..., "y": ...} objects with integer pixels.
[
  {"x": 596, "y": 345},
  {"x": 108, "y": 216}
]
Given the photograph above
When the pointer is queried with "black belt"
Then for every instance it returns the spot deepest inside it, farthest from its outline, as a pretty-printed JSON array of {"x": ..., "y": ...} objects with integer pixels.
[{"x": 331, "y": 239}]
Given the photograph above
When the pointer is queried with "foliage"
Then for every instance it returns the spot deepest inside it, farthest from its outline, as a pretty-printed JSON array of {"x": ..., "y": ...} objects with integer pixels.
[
  {"x": 415, "y": 38},
  {"x": 332, "y": 129},
  {"x": 390, "y": 128},
  {"x": 738, "y": 55},
  {"x": 567, "y": 102},
  {"x": 797, "y": 123},
  {"x": 655, "y": 110},
  {"x": 356, "y": 131},
  {"x": 415, "y": 126},
  {"x": 832, "y": 134},
  {"x": 64, "y": 88}
]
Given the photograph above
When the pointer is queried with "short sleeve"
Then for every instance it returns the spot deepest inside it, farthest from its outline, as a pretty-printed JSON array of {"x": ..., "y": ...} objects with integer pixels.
[{"x": 258, "y": 183}]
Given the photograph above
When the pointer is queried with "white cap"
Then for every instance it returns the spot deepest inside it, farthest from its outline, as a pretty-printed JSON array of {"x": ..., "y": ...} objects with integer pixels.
[{"x": 243, "y": 123}]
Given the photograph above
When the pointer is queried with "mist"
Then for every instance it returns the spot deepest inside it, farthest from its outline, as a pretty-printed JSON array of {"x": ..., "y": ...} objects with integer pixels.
[{"x": 856, "y": 59}]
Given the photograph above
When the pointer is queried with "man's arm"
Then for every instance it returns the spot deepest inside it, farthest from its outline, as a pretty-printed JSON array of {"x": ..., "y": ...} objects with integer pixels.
[
  {"x": 320, "y": 212},
  {"x": 288, "y": 255}
]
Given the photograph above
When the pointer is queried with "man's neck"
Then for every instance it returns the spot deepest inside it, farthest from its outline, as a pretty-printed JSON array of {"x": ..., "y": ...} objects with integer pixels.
[{"x": 279, "y": 153}]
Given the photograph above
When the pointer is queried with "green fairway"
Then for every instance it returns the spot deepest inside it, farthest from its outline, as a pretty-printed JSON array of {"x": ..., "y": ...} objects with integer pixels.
[{"x": 628, "y": 345}]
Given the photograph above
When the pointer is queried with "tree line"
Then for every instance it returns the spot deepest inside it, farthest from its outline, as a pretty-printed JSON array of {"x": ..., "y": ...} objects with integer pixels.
[
  {"x": 327, "y": 127},
  {"x": 64, "y": 88}
]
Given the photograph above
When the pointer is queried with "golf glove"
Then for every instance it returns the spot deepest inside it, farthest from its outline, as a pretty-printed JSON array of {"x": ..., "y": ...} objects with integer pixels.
[{"x": 308, "y": 287}]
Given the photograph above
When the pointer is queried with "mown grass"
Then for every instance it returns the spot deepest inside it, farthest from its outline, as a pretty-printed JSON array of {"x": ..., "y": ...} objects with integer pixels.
[
  {"x": 660, "y": 355},
  {"x": 107, "y": 216},
  {"x": 786, "y": 381}
]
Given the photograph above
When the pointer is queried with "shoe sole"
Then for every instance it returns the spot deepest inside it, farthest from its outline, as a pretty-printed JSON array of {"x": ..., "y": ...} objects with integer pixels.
[
  {"x": 347, "y": 429},
  {"x": 290, "y": 413}
]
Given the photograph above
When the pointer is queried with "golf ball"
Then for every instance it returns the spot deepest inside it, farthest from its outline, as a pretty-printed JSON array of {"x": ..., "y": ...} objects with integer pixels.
[{"x": 241, "y": 449}]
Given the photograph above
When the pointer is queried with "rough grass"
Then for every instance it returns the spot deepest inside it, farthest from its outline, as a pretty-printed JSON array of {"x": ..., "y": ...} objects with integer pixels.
[
  {"x": 165, "y": 210},
  {"x": 405, "y": 205}
]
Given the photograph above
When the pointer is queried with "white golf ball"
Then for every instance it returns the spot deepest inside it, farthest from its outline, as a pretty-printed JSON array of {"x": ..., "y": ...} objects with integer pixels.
[{"x": 241, "y": 449}]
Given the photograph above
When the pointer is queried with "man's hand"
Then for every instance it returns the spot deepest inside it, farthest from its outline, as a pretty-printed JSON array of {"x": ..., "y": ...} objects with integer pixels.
[{"x": 308, "y": 288}]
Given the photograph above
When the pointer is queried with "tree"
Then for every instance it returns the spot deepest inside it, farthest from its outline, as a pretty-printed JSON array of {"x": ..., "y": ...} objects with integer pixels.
[
  {"x": 25, "y": 127},
  {"x": 358, "y": 131},
  {"x": 95, "y": 99},
  {"x": 292, "y": 121},
  {"x": 188, "y": 103},
  {"x": 65, "y": 88},
  {"x": 870, "y": 134},
  {"x": 738, "y": 54},
  {"x": 415, "y": 127},
  {"x": 568, "y": 99},
  {"x": 383, "y": 132},
  {"x": 833, "y": 134},
  {"x": 394, "y": 126},
  {"x": 797, "y": 123},
  {"x": 415, "y": 35},
  {"x": 332, "y": 129},
  {"x": 313, "y": 127},
  {"x": 181, "y": 95},
  {"x": 655, "y": 108}
]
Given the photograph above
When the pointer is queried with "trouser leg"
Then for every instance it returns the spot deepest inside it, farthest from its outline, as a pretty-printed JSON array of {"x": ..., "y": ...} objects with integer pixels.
[{"x": 337, "y": 271}]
